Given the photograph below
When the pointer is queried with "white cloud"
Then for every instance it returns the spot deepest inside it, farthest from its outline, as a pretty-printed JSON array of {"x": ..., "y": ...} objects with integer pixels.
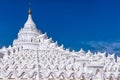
[{"x": 107, "y": 46}]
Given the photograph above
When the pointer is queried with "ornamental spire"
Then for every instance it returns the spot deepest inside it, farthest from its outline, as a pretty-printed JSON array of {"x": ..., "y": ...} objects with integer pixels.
[
  {"x": 29, "y": 12},
  {"x": 29, "y": 20}
]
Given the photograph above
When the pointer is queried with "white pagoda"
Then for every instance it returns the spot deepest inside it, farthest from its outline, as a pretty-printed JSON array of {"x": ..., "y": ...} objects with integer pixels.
[{"x": 34, "y": 56}]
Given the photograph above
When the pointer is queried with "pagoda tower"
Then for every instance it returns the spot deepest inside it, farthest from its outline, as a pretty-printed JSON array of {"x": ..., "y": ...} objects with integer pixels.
[{"x": 27, "y": 35}]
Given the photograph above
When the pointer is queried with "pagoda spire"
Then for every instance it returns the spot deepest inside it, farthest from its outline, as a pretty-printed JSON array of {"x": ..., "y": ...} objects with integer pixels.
[
  {"x": 29, "y": 20},
  {"x": 29, "y": 11}
]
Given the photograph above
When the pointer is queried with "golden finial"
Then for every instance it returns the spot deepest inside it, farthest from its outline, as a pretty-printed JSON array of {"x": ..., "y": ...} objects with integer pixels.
[{"x": 29, "y": 11}]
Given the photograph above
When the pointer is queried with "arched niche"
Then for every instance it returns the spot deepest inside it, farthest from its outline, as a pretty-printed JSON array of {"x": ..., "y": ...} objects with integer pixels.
[
  {"x": 111, "y": 78},
  {"x": 82, "y": 77}
]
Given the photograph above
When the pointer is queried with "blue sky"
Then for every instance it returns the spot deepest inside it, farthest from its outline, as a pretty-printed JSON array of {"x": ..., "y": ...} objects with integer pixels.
[{"x": 87, "y": 24}]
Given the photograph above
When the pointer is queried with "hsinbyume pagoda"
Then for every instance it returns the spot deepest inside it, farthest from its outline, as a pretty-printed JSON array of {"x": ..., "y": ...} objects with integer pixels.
[{"x": 34, "y": 56}]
